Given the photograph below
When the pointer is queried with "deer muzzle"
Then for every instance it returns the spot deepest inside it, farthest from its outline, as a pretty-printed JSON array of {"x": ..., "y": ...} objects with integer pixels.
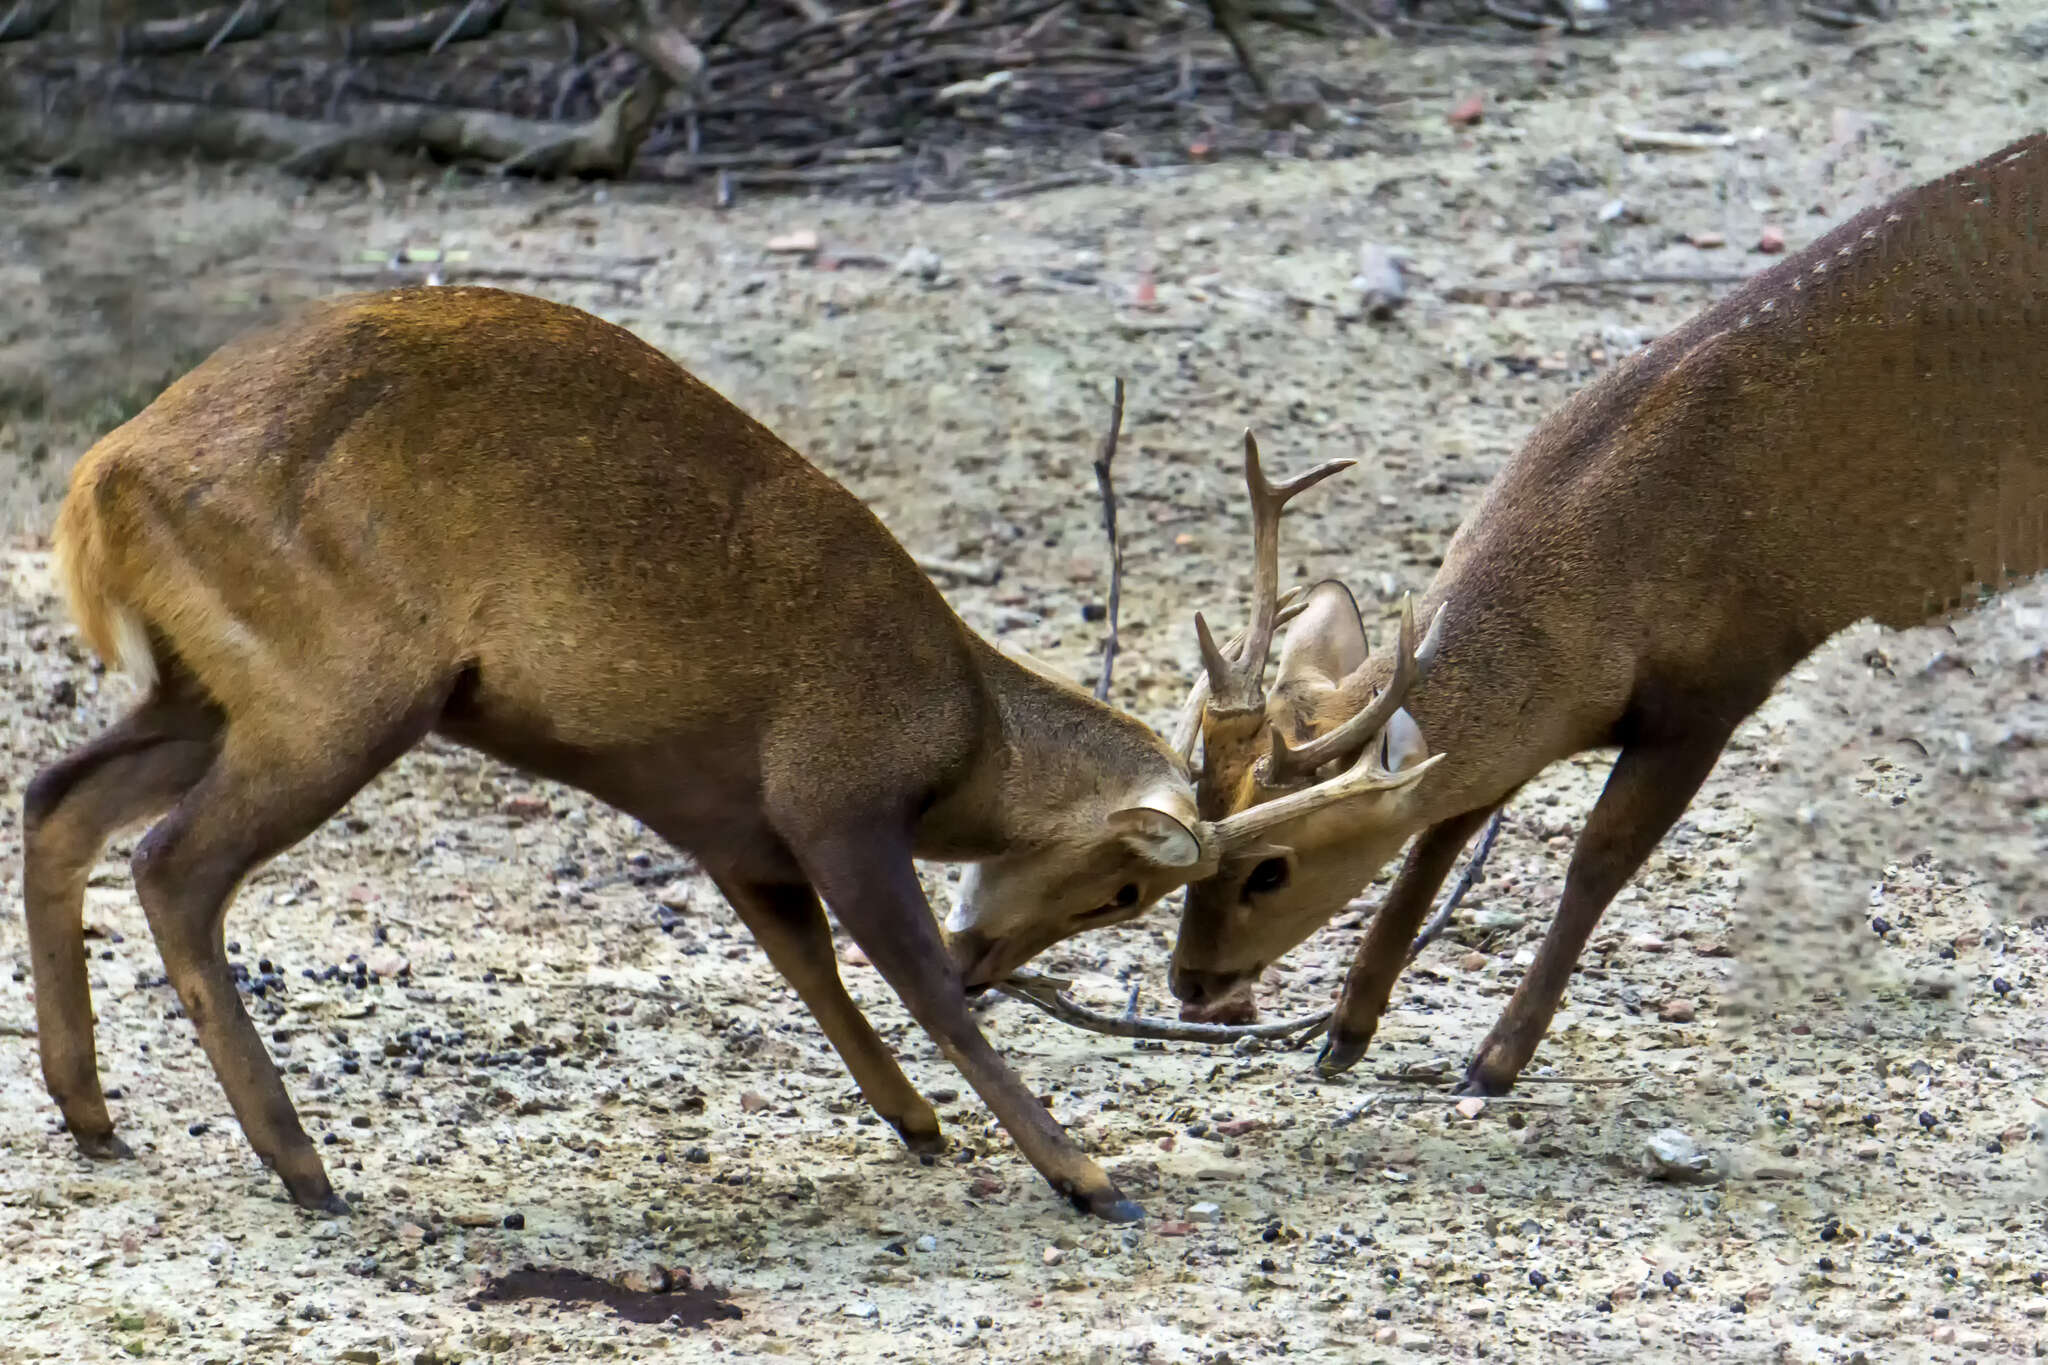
[{"x": 1214, "y": 997}]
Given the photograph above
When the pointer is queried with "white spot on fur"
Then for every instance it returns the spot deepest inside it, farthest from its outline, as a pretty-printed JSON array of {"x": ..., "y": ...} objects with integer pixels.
[
  {"x": 131, "y": 647},
  {"x": 1769, "y": 304}
]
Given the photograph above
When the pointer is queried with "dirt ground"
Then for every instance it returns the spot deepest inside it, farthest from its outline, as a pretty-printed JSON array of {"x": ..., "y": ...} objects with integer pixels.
[{"x": 585, "y": 1043}]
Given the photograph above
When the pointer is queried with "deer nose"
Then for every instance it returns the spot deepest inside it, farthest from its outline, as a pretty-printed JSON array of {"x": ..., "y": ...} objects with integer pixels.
[{"x": 1194, "y": 987}]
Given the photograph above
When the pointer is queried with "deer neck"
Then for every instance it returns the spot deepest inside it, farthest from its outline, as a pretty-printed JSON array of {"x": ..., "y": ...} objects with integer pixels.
[{"x": 1048, "y": 753}]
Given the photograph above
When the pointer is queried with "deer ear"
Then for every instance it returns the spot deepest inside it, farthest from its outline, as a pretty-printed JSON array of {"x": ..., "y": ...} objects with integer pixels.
[
  {"x": 1327, "y": 641},
  {"x": 1401, "y": 743},
  {"x": 1156, "y": 836}
]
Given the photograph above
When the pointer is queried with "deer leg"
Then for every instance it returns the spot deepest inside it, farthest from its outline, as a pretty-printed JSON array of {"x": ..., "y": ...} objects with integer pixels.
[
  {"x": 873, "y": 888},
  {"x": 133, "y": 770},
  {"x": 1649, "y": 788},
  {"x": 791, "y": 928},
  {"x": 1381, "y": 955},
  {"x": 261, "y": 795}
]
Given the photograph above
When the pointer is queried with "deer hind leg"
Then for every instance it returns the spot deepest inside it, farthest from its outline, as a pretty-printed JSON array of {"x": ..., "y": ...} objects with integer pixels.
[
  {"x": 790, "y": 925},
  {"x": 274, "y": 781},
  {"x": 135, "y": 769},
  {"x": 1648, "y": 789}
]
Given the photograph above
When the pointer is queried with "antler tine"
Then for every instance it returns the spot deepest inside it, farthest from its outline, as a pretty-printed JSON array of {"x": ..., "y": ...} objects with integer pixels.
[
  {"x": 1254, "y": 823},
  {"x": 1411, "y": 665},
  {"x": 1237, "y": 688},
  {"x": 1187, "y": 726}
]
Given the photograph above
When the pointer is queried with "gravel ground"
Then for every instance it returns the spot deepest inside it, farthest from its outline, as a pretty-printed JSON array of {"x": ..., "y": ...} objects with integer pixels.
[{"x": 562, "y": 1051}]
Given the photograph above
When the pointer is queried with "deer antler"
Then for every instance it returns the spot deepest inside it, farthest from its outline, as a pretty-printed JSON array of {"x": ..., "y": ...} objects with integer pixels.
[
  {"x": 1187, "y": 726},
  {"x": 1411, "y": 666},
  {"x": 1254, "y": 823},
  {"x": 1234, "y": 683}
]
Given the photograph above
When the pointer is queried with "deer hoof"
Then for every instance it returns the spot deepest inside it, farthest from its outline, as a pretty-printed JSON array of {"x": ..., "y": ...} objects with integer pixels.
[
  {"x": 321, "y": 1200},
  {"x": 1112, "y": 1207},
  {"x": 1484, "y": 1080},
  {"x": 1339, "y": 1055},
  {"x": 921, "y": 1142},
  {"x": 102, "y": 1146}
]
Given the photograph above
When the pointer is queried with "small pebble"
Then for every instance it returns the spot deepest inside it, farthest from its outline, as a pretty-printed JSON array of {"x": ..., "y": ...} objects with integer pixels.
[
  {"x": 1052, "y": 1255},
  {"x": 865, "y": 1311},
  {"x": 1204, "y": 1213},
  {"x": 1677, "y": 1011},
  {"x": 1470, "y": 1107},
  {"x": 1671, "y": 1279},
  {"x": 920, "y": 262},
  {"x": 927, "y": 1243},
  {"x": 1473, "y": 962},
  {"x": 515, "y": 1221},
  {"x": 1771, "y": 241},
  {"x": 1538, "y": 1278}
]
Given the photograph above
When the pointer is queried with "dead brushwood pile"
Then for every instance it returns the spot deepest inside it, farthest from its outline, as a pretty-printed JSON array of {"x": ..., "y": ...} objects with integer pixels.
[{"x": 741, "y": 93}]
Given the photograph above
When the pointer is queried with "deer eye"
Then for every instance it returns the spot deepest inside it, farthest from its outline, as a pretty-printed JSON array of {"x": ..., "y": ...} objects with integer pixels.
[
  {"x": 1269, "y": 875},
  {"x": 1126, "y": 897}
]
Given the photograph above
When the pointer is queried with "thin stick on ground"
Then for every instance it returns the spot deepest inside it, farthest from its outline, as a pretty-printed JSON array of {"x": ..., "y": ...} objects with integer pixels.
[
  {"x": 1116, "y": 553},
  {"x": 1049, "y": 994},
  {"x": 1474, "y": 870}
]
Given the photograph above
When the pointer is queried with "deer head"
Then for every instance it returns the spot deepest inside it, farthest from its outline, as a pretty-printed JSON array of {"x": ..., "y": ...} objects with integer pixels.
[
  {"x": 1313, "y": 781},
  {"x": 1104, "y": 856}
]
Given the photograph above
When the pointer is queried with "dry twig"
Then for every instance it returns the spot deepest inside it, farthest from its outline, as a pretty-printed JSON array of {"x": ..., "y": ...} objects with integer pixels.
[
  {"x": 1049, "y": 994},
  {"x": 1474, "y": 870},
  {"x": 1116, "y": 554},
  {"x": 1051, "y": 997}
]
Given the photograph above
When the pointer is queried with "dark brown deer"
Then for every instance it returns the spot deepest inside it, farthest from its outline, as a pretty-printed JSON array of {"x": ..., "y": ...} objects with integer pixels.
[
  {"x": 1858, "y": 433},
  {"x": 482, "y": 515}
]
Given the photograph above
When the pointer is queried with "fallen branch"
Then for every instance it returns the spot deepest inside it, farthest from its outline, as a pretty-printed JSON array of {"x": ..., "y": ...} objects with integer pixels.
[
  {"x": 1116, "y": 554},
  {"x": 429, "y": 31},
  {"x": 384, "y": 138},
  {"x": 966, "y": 571},
  {"x": 444, "y": 272},
  {"x": 1445, "y": 1097},
  {"x": 1048, "y": 994},
  {"x": 1480, "y": 293},
  {"x": 1225, "y": 15},
  {"x": 1671, "y": 140},
  {"x": 1474, "y": 870},
  {"x": 27, "y": 18},
  {"x": 642, "y": 30},
  {"x": 201, "y": 32}
]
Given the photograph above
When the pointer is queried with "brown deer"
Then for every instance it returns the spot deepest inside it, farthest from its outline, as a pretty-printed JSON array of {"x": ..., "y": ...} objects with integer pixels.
[
  {"x": 478, "y": 514},
  {"x": 1859, "y": 432}
]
